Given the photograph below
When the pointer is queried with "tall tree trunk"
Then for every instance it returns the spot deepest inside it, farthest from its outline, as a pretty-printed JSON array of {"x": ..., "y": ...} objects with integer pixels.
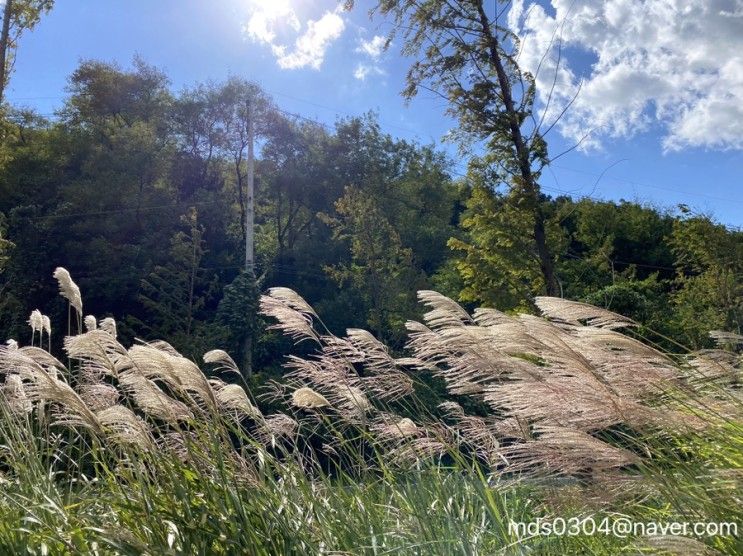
[
  {"x": 530, "y": 184},
  {"x": 4, "y": 38}
]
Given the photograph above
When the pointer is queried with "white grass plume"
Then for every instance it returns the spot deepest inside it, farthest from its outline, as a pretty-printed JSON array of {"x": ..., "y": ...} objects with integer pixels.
[
  {"x": 13, "y": 394},
  {"x": 398, "y": 428},
  {"x": 96, "y": 347},
  {"x": 108, "y": 325},
  {"x": 573, "y": 312},
  {"x": 90, "y": 323},
  {"x": 223, "y": 359},
  {"x": 444, "y": 311},
  {"x": 36, "y": 321},
  {"x": 233, "y": 400},
  {"x": 122, "y": 426},
  {"x": 152, "y": 400},
  {"x": 177, "y": 372},
  {"x": 99, "y": 396},
  {"x": 69, "y": 290},
  {"x": 307, "y": 398}
]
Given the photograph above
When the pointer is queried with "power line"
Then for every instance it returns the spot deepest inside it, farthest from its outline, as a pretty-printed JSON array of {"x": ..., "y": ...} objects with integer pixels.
[
  {"x": 652, "y": 186},
  {"x": 119, "y": 211}
]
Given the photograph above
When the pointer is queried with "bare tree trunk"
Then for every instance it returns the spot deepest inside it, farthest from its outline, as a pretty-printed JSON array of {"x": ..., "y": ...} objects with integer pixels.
[
  {"x": 4, "y": 38},
  {"x": 522, "y": 152}
]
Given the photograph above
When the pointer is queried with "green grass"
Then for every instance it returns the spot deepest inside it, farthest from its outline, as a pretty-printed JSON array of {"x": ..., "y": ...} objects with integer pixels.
[
  {"x": 212, "y": 482},
  {"x": 152, "y": 502}
]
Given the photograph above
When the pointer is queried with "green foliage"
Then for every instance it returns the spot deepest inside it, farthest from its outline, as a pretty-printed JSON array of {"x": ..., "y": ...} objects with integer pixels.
[
  {"x": 381, "y": 270},
  {"x": 351, "y": 216},
  {"x": 18, "y": 16},
  {"x": 175, "y": 294},
  {"x": 465, "y": 54},
  {"x": 709, "y": 261},
  {"x": 237, "y": 311},
  {"x": 497, "y": 258}
]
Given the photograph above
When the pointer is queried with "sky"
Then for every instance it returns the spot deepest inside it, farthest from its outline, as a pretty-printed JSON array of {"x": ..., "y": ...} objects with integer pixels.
[{"x": 657, "y": 85}]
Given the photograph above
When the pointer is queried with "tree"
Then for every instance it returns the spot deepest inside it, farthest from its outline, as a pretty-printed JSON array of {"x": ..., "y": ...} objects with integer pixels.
[
  {"x": 709, "y": 262},
  {"x": 492, "y": 258},
  {"x": 175, "y": 293},
  {"x": 18, "y": 16},
  {"x": 468, "y": 57},
  {"x": 381, "y": 270}
]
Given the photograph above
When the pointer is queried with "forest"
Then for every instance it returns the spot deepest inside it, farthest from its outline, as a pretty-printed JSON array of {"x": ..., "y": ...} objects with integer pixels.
[
  {"x": 140, "y": 193},
  {"x": 345, "y": 344}
]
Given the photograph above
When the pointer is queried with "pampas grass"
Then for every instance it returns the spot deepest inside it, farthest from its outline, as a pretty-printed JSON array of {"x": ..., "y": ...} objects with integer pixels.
[
  {"x": 36, "y": 322},
  {"x": 307, "y": 398},
  {"x": 146, "y": 452}
]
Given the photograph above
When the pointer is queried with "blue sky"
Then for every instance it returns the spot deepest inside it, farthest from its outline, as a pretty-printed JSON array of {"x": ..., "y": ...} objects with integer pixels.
[{"x": 666, "y": 111}]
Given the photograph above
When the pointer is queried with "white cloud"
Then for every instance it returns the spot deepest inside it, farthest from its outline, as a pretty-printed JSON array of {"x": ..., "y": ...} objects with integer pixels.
[
  {"x": 673, "y": 64},
  {"x": 309, "y": 48},
  {"x": 363, "y": 71},
  {"x": 267, "y": 18},
  {"x": 372, "y": 48}
]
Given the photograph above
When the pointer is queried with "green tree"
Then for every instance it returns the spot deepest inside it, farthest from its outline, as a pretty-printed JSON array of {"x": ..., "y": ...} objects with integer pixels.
[
  {"x": 176, "y": 292},
  {"x": 496, "y": 258},
  {"x": 468, "y": 56},
  {"x": 381, "y": 270},
  {"x": 18, "y": 16},
  {"x": 709, "y": 262}
]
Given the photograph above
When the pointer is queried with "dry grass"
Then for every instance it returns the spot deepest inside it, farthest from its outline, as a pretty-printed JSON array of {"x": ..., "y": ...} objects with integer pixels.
[{"x": 564, "y": 395}]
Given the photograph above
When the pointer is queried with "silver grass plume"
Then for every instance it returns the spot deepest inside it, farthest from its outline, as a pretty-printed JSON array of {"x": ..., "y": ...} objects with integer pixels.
[
  {"x": 715, "y": 365},
  {"x": 384, "y": 379},
  {"x": 444, "y": 311},
  {"x": 11, "y": 344},
  {"x": 354, "y": 398},
  {"x": 68, "y": 289},
  {"x": 398, "y": 429},
  {"x": 233, "y": 400},
  {"x": 99, "y": 396},
  {"x": 53, "y": 366},
  {"x": 36, "y": 321},
  {"x": 573, "y": 312},
  {"x": 726, "y": 339},
  {"x": 152, "y": 400},
  {"x": 565, "y": 451},
  {"x": 90, "y": 323},
  {"x": 307, "y": 398},
  {"x": 276, "y": 427},
  {"x": 673, "y": 545},
  {"x": 98, "y": 351},
  {"x": 293, "y": 314},
  {"x": 292, "y": 299},
  {"x": 223, "y": 359},
  {"x": 161, "y": 345},
  {"x": 14, "y": 396},
  {"x": 122, "y": 426},
  {"x": 475, "y": 431},
  {"x": 71, "y": 410},
  {"x": 177, "y": 372},
  {"x": 419, "y": 449},
  {"x": 108, "y": 325},
  {"x": 46, "y": 323}
]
